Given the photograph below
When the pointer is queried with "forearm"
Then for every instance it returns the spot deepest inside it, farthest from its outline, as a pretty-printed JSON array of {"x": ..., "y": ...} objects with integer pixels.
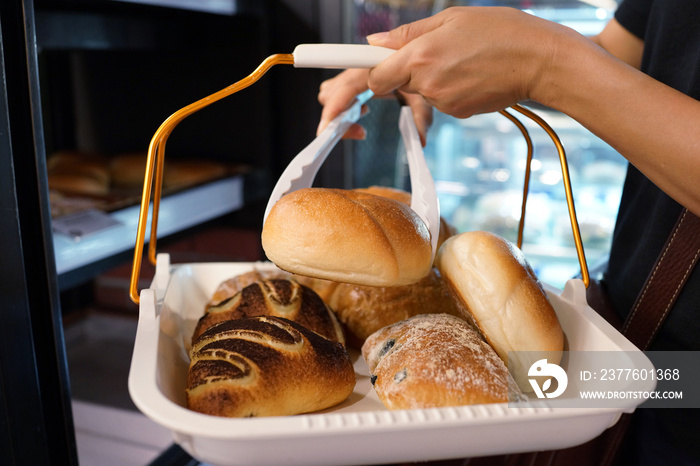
[
  {"x": 471, "y": 60},
  {"x": 655, "y": 127}
]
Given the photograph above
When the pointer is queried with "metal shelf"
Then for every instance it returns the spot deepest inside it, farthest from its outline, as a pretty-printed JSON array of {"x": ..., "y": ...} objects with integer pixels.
[
  {"x": 178, "y": 212},
  {"x": 216, "y": 7},
  {"x": 221, "y": 7}
]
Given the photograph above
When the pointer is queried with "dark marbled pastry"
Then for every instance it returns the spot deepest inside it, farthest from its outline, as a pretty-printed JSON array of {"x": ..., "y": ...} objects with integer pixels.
[
  {"x": 266, "y": 366},
  {"x": 277, "y": 297}
]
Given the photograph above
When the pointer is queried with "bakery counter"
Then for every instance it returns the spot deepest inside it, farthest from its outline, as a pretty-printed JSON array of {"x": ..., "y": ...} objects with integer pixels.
[{"x": 89, "y": 237}]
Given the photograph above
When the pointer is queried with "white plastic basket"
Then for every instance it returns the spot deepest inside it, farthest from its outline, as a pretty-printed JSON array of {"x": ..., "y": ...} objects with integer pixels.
[{"x": 360, "y": 430}]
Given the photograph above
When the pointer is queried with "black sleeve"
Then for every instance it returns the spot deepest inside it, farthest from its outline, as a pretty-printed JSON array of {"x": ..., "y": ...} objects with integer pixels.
[{"x": 633, "y": 16}]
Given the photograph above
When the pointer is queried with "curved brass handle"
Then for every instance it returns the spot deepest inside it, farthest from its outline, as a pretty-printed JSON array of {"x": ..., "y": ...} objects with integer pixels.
[
  {"x": 526, "y": 186},
  {"x": 155, "y": 163},
  {"x": 565, "y": 178},
  {"x": 156, "y": 151}
]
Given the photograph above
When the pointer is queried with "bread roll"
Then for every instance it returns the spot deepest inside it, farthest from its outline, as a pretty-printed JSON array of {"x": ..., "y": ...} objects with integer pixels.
[
  {"x": 181, "y": 173},
  {"x": 233, "y": 285},
  {"x": 434, "y": 360},
  {"x": 446, "y": 230},
  {"x": 323, "y": 288},
  {"x": 365, "y": 309},
  {"x": 71, "y": 183},
  {"x": 501, "y": 295},
  {"x": 281, "y": 298},
  {"x": 390, "y": 193},
  {"x": 347, "y": 236},
  {"x": 266, "y": 366},
  {"x": 78, "y": 173},
  {"x": 129, "y": 170},
  {"x": 86, "y": 163}
]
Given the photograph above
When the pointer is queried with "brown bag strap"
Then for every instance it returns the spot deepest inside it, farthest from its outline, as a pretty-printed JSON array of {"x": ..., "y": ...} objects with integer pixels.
[{"x": 677, "y": 259}]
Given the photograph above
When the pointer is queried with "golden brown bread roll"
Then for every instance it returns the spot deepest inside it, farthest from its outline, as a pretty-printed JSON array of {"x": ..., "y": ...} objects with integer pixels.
[
  {"x": 78, "y": 172},
  {"x": 266, "y": 366},
  {"x": 434, "y": 360},
  {"x": 365, "y": 309},
  {"x": 70, "y": 183},
  {"x": 233, "y": 285},
  {"x": 180, "y": 173},
  {"x": 347, "y": 236},
  {"x": 276, "y": 297},
  {"x": 446, "y": 230},
  {"x": 388, "y": 192},
  {"x": 323, "y": 288},
  {"x": 129, "y": 169},
  {"x": 501, "y": 295}
]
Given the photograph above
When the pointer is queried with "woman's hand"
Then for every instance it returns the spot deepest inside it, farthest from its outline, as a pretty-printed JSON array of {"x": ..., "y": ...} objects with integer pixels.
[
  {"x": 462, "y": 61},
  {"x": 338, "y": 93},
  {"x": 469, "y": 60}
]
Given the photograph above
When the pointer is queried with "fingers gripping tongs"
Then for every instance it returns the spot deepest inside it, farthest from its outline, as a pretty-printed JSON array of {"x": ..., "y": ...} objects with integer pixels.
[{"x": 302, "y": 170}]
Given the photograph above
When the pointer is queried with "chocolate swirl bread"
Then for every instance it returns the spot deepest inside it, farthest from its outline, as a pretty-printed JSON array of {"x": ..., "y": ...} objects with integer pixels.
[
  {"x": 266, "y": 366},
  {"x": 277, "y": 297},
  {"x": 233, "y": 285}
]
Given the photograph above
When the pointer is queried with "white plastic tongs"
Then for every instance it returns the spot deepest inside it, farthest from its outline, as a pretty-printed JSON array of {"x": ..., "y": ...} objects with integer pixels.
[{"x": 302, "y": 170}]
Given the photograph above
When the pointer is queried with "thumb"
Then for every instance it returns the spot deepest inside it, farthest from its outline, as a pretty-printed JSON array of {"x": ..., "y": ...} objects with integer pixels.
[{"x": 402, "y": 35}]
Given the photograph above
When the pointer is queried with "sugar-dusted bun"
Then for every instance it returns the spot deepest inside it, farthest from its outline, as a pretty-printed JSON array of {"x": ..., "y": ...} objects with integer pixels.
[
  {"x": 365, "y": 309},
  {"x": 347, "y": 236},
  {"x": 434, "y": 360},
  {"x": 446, "y": 230},
  {"x": 276, "y": 297},
  {"x": 233, "y": 285},
  {"x": 266, "y": 366},
  {"x": 501, "y": 294}
]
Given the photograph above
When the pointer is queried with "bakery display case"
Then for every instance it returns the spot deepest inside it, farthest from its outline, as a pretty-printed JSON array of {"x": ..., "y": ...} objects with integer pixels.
[{"x": 482, "y": 188}]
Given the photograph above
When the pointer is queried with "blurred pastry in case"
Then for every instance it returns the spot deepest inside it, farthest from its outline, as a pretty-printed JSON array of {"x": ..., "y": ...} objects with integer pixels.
[{"x": 76, "y": 172}]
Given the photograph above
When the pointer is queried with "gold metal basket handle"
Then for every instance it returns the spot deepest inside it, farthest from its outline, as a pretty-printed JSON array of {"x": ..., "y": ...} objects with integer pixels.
[
  {"x": 155, "y": 163},
  {"x": 155, "y": 160},
  {"x": 565, "y": 178},
  {"x": 528, "y": 160}
]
